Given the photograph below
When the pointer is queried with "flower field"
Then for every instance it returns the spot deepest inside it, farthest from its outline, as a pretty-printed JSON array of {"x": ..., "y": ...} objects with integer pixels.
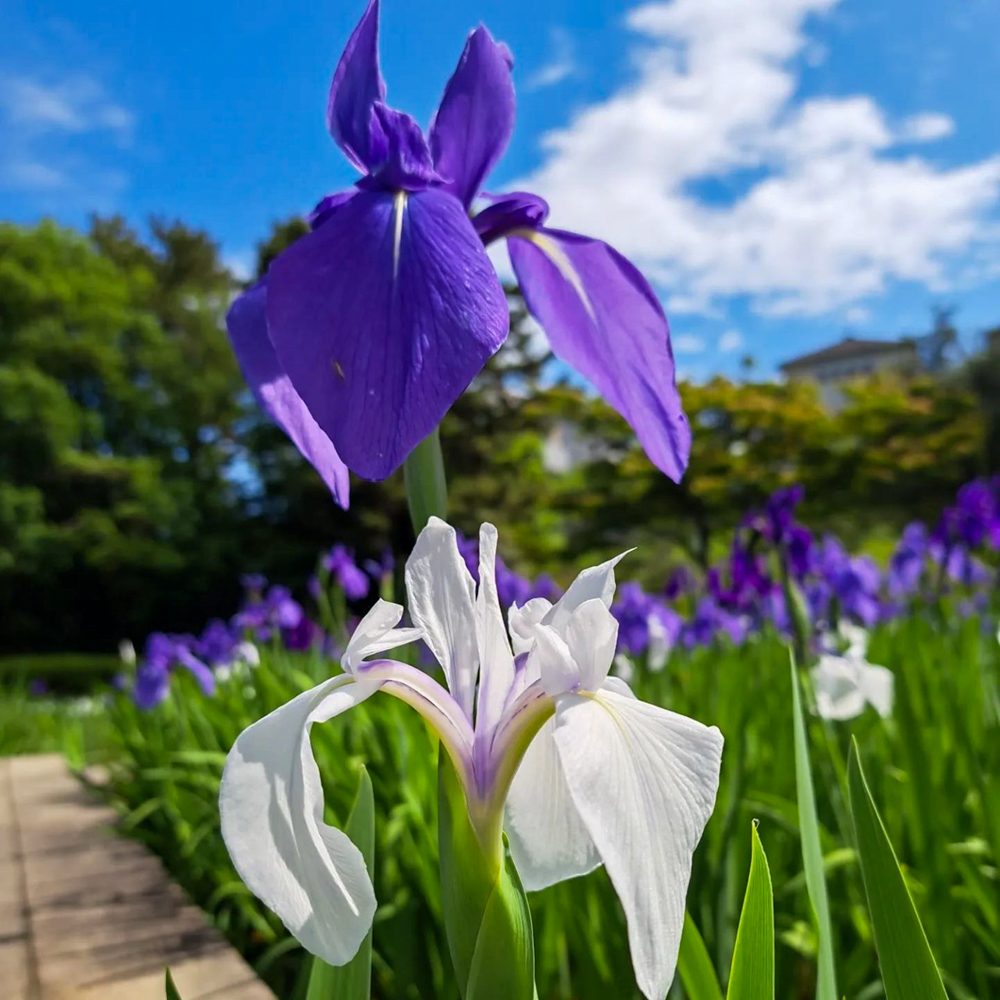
[{"x": 930, "y": 758}]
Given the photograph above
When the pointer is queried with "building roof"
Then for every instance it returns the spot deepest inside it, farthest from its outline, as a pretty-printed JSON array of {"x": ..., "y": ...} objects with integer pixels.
[{"x": 849, "y": 347}]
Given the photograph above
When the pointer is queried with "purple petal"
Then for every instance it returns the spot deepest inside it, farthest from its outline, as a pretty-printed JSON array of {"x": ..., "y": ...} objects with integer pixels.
[
  {"x": 382, "y": 317},
  {"x": 247, "y": 327},
  {"x": 602, "y": 318},
  {"x": 357, "y": 85},
  {"x": 400, "y": 157},
  {"x": 327, "y": 205},
  {"x": 517, "y": 210},
  {"x": 476, "y": 117}
]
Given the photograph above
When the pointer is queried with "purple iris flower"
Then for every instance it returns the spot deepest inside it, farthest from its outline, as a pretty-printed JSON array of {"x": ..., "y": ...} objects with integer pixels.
[
  {"x": 382, "y": 568},
  {"x": 679, "y": 582},
  {"x": 638, "y": 613},
  {"x": 278, "y": 609},
  {"x": 217, "y": 644},
  {"x": 854, "y": 581},
  {"x": 305, "y": 635},
  {"x": 340, "y": 564},
  {"x": 163, "y": 653},
  {"x": 710, "y": 622},
  {"x": 253, "y": 584},
  {"x": 908, "y": 561},
  {"x": 366, "y": 330}
]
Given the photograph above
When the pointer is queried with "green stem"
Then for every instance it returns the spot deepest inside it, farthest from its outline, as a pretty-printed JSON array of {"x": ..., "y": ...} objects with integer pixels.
[{"x": 426, "y": 489}]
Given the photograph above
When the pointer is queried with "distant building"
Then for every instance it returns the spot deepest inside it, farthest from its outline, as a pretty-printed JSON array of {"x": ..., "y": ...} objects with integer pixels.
[{"x": 852, "y": 359}]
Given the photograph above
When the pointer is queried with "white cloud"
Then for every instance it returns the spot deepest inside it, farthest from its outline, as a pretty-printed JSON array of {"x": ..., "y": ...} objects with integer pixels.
[
  {"x": 45, "y": 122},
  {"x": 730, "y": 341},
  {"x": 76, "y": 104},
  {"x": 926, "y": 127},
  {"x": 562, "y": 62},
  {"x": 834, "y": 210},
  {"x": 855, "y": 315},
  {"x": 687, "y": 343}
]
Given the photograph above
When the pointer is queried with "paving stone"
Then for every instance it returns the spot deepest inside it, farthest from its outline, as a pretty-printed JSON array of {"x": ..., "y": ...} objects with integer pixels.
[{"x": 88, "y": 915}]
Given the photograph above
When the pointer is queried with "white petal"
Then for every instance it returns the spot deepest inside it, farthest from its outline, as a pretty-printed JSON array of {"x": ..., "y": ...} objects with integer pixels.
[
  {"x": 836, "y": 682},
  {"x": 856, "y": 638},
  {"x": 877, "y": 684},
  {"x": 551, "y": 661},
  {"x": 376, "y": 633},
  {"x": 524, "y": 620},
  {"x": 644, "y": 780},
  {"x": 441, "y": 595},
  {"x": 548, "y": 840},
  {"x": 592, "y": 635},
  {"x": 496, "y": 670},
  {"x": 271, "y": 805},
  {"x": 595, "y": 582},
  {"x": 660, "y": 645}
]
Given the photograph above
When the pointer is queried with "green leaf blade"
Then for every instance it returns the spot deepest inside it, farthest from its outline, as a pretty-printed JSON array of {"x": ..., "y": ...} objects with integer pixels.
[
  {"x": 812, "y": 851},
  {"x": 352, "y": 981},
  {"x": 908, "y": 966},
  {"x": 172, "y": 993},
  {"x": 752, "y": 974},
  {"x": 694, "y": 965}
]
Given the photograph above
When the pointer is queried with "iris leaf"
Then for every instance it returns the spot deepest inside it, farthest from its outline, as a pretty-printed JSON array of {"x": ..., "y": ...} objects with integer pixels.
[
  {"x": 812, "y": 851},
  {"x": 172, "y": 993},
  {"x": 751, "y": 976},
  {"x": 351, "y": 981},
  {"x": 908, "y": 966},
  {"x": 694, "y": 965}
]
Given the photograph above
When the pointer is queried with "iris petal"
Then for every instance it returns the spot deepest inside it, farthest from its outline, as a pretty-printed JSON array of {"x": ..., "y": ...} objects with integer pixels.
[
  {"x": 644, "y": 782},
  {"x": 247, "y": 325},
  {"x": 357, "y": 85},
  {"x": 271, "y": 805},
  {"x": 382, "y": 317},
  {"x": 602, "y": 318},
  {"x": 475, "y": 120},
  {"x": 548, "y": 840}
]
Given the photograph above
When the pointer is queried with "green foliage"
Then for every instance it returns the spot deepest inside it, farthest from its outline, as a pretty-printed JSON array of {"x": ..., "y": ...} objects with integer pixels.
[
  {"x": 172, "y": 993},
  {"x": 354, "y": 980},
  {"x": 908, "y": 967},
  {"x": 812, "y": 849},
  {"x": 485, "y": 910},
  {"x": 752, "y": 973},
  {"x": 166, "y": 766},
  {"x": 694, "y": 965}
]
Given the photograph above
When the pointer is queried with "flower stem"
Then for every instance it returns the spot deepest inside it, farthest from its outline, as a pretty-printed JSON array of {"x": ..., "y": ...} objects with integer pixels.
[{"x": 426, "y": 489}]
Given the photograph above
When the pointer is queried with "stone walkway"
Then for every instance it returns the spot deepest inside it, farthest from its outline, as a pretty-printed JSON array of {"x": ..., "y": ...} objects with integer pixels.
[{"x": 88, "y": 915}]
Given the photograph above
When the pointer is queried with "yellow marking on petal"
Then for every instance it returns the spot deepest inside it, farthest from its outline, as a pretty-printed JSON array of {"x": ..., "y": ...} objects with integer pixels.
[
  {"x": 339, "y": 369},
  {"x": 563, "y": 264},
  {"x": 400, "y": 206}
]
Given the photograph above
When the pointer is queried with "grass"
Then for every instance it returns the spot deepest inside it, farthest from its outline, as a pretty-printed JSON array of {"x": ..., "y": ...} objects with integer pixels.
[{"x": 931, "y": 769}]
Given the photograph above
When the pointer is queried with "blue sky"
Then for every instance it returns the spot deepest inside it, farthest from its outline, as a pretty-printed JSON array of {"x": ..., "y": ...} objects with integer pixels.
[{"x": 783, "y": 170}]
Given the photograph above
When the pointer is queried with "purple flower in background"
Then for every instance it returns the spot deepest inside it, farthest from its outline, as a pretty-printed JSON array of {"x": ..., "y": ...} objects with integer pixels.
[
  {"x": 217, "y": 643},
  {"x": 645, "y": 624},
  {"x": 253, "y": 585},
  {"x": 382, "y": 568},
  {"x": 38, "y": 687},
  {"x": 908, "y": 561},
  {"x": 679, "y": 582},
  {"x": 305, "y": 635},
  {"x": 277, "y": 610},
  {"x": 711, "y": 622},
  {"x": 853, "y": 580},
  {"x": 163, "y": 653},
  {"x": 365, "y": 331},
  {"x": 340, "y": 564}
]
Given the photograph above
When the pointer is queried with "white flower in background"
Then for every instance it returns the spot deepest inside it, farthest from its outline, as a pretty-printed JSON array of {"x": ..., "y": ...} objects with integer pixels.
[
  {"x": 548, "y": 747},
  {"x": 624, "y": 668},
  {"x": 846, "y": 682},
  {"x": 126, "y": 652}
]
